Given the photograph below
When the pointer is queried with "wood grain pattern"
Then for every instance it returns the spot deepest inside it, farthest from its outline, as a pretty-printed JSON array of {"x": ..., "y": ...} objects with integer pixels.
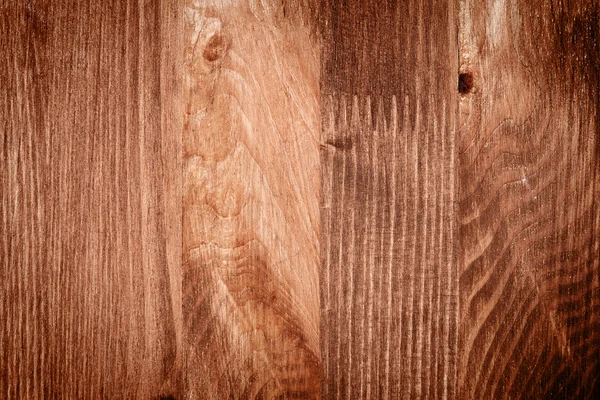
[
  {"x": 240, "y": 199},
  {"x": 389, "y": 283},
  {"x": 251, "y": 211},
  {"x": 529, "y": 202},
  {"x": 89, "y": 253}
]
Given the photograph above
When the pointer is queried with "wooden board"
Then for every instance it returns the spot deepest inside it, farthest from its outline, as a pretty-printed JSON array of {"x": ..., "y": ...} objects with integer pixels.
[
  {"x": 90, "y": 250},
  {"x": 529, "y": 200},
  {"x": 389, "y": 287},
  {"x": 251, "y": 211}
]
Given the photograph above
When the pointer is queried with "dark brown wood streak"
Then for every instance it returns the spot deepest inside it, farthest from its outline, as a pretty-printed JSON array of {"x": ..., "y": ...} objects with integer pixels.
[
  {"x": 529, "y": 201},
  {"x": 389, "y": 284},
  {"x": 89, "y": 253}
]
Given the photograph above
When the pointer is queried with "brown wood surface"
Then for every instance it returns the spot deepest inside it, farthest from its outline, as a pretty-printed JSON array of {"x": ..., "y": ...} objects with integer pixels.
[
  {"x": 529, "y": 200},
  {"x": 215, "y": 199},
  {"x": 389, "y": 281},
  {"x": 90, "y": 247},
  {"x": 251, "y": 211}
]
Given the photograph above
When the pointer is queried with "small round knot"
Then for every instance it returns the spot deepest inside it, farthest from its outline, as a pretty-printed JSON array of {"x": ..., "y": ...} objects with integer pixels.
[{"x": 215, "y": 47}]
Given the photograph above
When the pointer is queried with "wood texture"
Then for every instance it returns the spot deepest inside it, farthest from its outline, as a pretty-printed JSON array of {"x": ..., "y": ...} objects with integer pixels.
[
  {"x": 251, "y": 211},
  {"x": 529, "y": 210},
  {"x": 389, "y": 283},
  {"x": 90, "y": 248},
  {"x": 240, "y": 199}
]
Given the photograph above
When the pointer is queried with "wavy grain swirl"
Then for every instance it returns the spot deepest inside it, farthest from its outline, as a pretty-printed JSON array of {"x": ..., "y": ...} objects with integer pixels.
[{"x": 250, "y": 282}]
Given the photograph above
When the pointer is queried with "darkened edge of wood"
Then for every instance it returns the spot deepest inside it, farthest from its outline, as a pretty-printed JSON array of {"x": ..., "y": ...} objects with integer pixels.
[{"x": 560, "y": 47}]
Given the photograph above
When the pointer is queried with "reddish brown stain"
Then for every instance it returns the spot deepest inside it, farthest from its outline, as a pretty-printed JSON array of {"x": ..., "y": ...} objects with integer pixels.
[{"x": 216, "y": 47}]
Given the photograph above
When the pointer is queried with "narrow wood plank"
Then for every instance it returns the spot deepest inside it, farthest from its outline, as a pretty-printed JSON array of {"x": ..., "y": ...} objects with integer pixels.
[
  {"x": 251, "y": 211},
  {"x": 389, "y": 300},
  {"x": 529, "y": 202},
  {"x": 89, "y": 249}
]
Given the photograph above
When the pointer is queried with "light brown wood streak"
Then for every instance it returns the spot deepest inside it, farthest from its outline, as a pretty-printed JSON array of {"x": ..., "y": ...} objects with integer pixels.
[
  {"x": 89, "y": 253},
  {"x": 389, "y": 286},
  {"x": 529, "y": 200},
  {"x": 251, "y": 214}
]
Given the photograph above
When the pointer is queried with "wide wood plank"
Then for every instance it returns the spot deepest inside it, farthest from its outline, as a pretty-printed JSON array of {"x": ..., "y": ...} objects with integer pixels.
[
  {"x": 389, "y": 286},
  {"x": 529, "y": 200},
  {"x": 251, "y": 210},
  {"x": 89, "y": 250}
]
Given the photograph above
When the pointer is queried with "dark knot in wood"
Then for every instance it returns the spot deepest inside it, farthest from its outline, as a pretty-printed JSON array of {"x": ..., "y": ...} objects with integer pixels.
[{"x": 465, "y": 83}]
